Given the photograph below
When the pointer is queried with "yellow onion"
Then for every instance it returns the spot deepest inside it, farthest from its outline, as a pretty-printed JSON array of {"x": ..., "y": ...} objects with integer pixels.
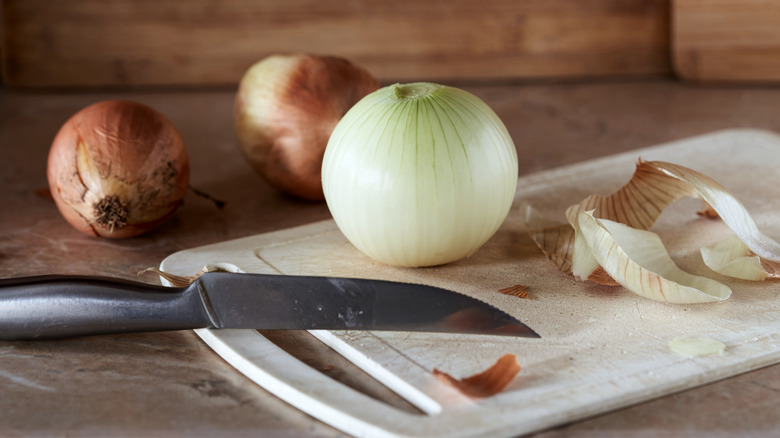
[
  {"x": 117, "y": 169},
  {"x": 285, "y": 109}
]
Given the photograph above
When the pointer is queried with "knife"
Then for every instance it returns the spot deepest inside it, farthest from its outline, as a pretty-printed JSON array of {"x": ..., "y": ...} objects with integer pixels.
[{"x": 57, "y": 306}]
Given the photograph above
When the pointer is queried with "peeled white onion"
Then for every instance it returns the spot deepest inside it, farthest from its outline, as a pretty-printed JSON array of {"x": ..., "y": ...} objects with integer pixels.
[{"x": 419, "y": 174}]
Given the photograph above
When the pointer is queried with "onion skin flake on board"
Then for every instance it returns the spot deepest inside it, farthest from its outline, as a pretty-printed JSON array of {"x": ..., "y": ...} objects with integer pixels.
[{"x": 487, "y": 383}]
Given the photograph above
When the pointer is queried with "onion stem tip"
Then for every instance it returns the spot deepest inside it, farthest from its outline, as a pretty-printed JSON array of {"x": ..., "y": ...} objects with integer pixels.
[{"x": 414, "y": 90}]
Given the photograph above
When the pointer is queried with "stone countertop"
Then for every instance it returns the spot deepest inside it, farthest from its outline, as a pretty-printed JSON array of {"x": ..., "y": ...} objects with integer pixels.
[{"x": 164, "y": 384}]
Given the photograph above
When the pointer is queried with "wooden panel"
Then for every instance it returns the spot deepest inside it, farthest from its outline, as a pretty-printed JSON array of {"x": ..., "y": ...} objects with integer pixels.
[
  {"x": 726, "y": 40},
  {"x": 169, "y": 42}
]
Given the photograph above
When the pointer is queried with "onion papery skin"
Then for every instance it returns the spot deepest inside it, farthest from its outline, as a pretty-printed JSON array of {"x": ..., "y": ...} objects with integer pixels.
[
  {"x": 120, "y": 154},
  {"x": 419, "y": 174},
  {"x": 285, "y": 110}
]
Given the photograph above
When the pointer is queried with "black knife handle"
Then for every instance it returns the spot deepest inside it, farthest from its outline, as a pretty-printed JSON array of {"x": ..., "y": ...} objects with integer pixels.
[{"x": 56, "y": 306}]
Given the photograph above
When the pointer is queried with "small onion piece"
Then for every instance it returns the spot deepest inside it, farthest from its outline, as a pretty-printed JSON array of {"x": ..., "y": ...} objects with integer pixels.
[
  {"x": 117, "y": 169},
  {"x": 419, "y": 174},
  {"x": 694, "y": 347}
]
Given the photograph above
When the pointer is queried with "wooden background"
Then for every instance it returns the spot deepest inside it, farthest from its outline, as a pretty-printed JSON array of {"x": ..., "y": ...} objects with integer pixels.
[
  {"x": 137, "y": 43},
  {"x": 78, "y": 43},
  {"x": 727, "y": 40}
]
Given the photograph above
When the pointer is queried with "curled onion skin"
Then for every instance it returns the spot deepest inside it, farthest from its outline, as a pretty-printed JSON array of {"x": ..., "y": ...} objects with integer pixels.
[
  {"x": 285, "y": 110},
  {"x": 117, "y": 169},
  {"x": 419, "y": 174}
]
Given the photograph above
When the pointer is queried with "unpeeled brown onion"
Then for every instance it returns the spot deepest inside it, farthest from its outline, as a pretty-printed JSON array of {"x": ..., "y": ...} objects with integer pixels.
[
  {"x": 285, "y": 110},
  {"x": 117, "y": 169}
]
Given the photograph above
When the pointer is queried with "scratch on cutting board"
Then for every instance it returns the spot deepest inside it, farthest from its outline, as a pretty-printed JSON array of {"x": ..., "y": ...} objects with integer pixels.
[
  {"x": 24, "y": 382},
  {"x": 257, "y": 254}
]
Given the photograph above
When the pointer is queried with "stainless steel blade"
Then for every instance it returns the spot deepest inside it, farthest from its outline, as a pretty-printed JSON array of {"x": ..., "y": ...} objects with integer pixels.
[
  {"x": 294, "y": 302},
  {"x": 57, "y": 306}
]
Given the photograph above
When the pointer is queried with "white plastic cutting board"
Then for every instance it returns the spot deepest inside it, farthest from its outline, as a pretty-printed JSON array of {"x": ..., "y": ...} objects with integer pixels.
[{"x": 602, "y": 347}]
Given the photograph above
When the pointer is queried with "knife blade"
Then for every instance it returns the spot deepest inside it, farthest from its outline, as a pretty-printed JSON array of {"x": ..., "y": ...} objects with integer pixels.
[{"x": 57, "y": 306}]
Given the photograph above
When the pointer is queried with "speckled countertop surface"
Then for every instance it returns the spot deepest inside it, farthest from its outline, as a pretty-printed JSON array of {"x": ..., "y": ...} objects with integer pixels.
[{"x": 167, "y": 384}]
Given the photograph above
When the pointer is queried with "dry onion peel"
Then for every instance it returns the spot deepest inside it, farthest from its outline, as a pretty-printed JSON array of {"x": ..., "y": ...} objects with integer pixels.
[
  {"x": 654, "y": 185},
  {"x": 487, "y": 383},
  {"x": 638, "y": 261},
  {"x": 772, "y": 268},
  {"x": 554, "y": 239},
  {"x": 182, "y": 280},
  {"x": 637, "y": 205},
  {"x": 176, "y": 280},
  {"x": 727, "y": 207},
  {"x": 517, "y": 290},
  {"x": 731, "y": 257}
]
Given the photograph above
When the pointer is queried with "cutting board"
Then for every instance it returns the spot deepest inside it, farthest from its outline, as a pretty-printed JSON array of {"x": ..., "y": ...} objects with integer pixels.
[
  {"x": 601, "y": 348},
  {"x": 726, "y": 40}
]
